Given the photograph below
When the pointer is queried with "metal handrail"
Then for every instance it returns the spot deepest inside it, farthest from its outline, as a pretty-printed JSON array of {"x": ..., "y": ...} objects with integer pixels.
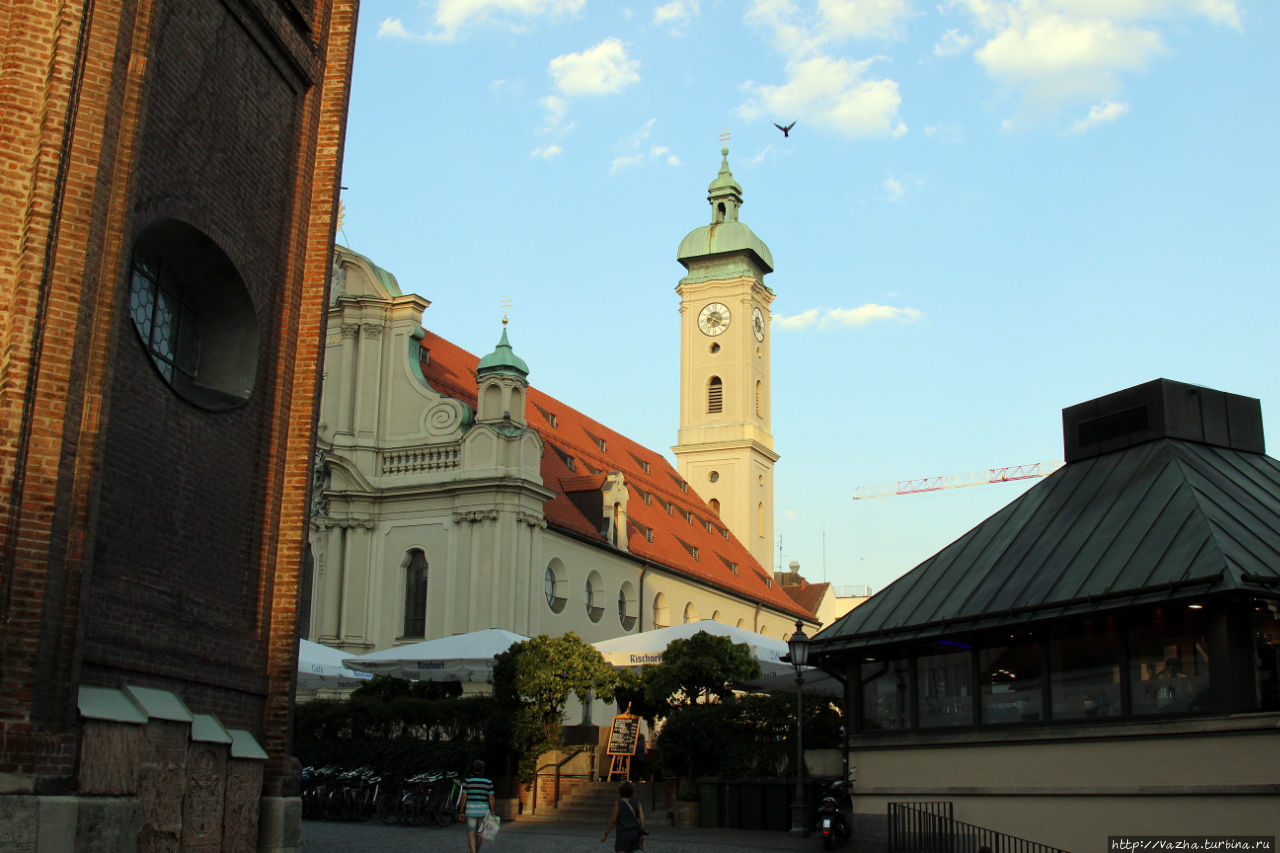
[
  {"x": 930, "y": 827},
  {"x": 537, "y": 773}
]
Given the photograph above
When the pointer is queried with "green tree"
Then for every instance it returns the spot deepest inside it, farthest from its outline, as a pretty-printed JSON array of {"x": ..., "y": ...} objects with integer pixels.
[
  {"x": 699, "y": 668},
  {"x": 532, "y": 682}
]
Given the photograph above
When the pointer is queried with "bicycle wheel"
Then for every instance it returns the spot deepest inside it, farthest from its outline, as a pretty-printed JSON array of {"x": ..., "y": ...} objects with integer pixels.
[
  {"x": 442, "y": 811},
  {"x": 387, "y": 806},
  {"x": 408, "y": 810}
]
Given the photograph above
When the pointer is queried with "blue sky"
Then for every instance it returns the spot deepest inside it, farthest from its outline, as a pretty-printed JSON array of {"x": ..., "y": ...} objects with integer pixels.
[{"x": 988, "y": 210}]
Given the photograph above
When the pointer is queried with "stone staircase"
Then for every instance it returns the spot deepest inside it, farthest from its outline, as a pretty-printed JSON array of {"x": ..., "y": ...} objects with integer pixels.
[{"x": 587, "y": 802}]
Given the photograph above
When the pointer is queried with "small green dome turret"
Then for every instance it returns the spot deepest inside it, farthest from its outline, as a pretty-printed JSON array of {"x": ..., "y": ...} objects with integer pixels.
[{"x": 503, "y": 359}]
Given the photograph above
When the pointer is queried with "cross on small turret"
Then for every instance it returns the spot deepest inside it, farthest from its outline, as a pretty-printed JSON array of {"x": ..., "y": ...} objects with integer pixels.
[
  {"x": 724, "y": 136},
  {"x": 506, "y": 303}
]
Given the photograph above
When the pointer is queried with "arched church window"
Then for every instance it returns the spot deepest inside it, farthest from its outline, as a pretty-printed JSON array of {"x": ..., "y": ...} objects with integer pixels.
[
  {"x": 627, "y": 605},
  {"x": 595, "y": 596},
  {"x": 554, "y": 585},
  {"x": 690, "y": 613},
  {"x": 715, "y": 395},
  {"x": 759, "y": 399},
  {"x": 661, "y": 613},
  {"x": 715, "y": 506},
  {"x": 193, "y": 314},
  {"x": 760, "y": 519},
  {"x": 415, "y": 595}
]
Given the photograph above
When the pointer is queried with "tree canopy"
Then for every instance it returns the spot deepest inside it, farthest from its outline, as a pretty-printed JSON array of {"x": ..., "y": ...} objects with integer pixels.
[
  {"x": 699, "y": 668},
  {"x": 533, "y": 681}
]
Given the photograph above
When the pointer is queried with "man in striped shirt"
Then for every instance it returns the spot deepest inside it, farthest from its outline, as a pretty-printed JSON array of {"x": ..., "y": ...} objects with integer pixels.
[{"x": 477, "y": 802}]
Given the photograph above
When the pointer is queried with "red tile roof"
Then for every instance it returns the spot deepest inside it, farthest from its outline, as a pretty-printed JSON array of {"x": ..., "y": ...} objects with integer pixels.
[
  {"x": 808, "y": 595},
  {"x": 688, "y": 538}
]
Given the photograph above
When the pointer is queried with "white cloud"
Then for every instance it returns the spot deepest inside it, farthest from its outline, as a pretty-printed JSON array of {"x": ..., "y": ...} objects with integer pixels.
[
  {"x": 676, "y": 15},
  {"x": 842, "y": 19},
  {"x": 663, "y": 153},
  {"x": 831, "y": 93},
  {"x": 556, "y": 107},
  {"x": 763, "y": 154},
  {"x": 454, "y": 15},
  {"x": 952, "y": 43},
  {"x": 1055, "y": 47},
  {"x": 893, "y": 189},
  {"x": 550, "y": 152},
  {"x": 393, "y": 28},
  {"x": 636, "y": 150},
  {"x": 1055, "y": 54},
  {"x": 828, "y": 91},
  {"x": 829, "y": 318},
  {"x": 604, "y": 69},
  {"x": 868, "y": 313},
  {"x": 790, "y": 514},
  {"x": 797, "y": 321},
  {"x": 627, "y": 161},
  {"x": 1100, "y": 114}
]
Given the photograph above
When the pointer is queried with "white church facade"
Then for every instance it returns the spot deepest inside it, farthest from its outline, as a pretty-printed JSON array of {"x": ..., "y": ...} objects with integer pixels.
[{"x": 452, "y": 496}]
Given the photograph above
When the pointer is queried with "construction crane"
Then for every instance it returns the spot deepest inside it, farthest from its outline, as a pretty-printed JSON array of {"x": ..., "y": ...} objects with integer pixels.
[{"x": 957, "y": 481}]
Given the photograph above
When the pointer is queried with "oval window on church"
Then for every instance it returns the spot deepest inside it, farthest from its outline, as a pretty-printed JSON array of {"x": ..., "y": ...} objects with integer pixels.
[
  {"x": 554, "y": 586},
  {"x": 627, "y": 611},
  {"x": 595, "y": 596}
]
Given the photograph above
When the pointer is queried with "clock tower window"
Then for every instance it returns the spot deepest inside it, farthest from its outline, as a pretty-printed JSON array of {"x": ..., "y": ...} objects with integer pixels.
[{"x": 715, "y": 396}]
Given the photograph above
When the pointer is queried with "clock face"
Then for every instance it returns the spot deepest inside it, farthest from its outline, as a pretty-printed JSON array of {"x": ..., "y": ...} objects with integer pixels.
[
  {"x": 757, "y": 323},
  {"x": 714, "y": 318}
]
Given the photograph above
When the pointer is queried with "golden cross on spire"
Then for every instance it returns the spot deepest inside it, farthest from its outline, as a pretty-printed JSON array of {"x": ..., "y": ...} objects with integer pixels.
[
  {"x": 506, "y": 303},
  {"x": 724, "y": 135}
]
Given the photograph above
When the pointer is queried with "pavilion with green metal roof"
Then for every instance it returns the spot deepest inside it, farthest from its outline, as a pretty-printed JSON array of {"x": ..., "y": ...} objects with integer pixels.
[{"x": 1129, "y": 598}]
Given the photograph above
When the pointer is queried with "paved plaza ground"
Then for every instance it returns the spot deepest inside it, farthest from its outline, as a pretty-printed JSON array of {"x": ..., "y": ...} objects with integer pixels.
[{"x": 538, "y": 837}]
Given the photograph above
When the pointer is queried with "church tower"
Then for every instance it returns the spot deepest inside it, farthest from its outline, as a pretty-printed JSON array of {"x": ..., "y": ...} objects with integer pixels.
[{"x": 725, "y": 447}]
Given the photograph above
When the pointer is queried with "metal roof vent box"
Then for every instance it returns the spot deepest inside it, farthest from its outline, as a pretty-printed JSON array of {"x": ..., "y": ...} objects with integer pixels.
[{"x": 1162, "y": 409}]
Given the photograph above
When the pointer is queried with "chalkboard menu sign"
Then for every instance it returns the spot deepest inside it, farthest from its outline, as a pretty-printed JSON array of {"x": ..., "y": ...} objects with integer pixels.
[{"x": 622, "y": 739}]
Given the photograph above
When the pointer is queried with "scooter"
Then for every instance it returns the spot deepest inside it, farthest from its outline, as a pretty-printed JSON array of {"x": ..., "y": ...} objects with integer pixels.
[{"x": 835, "y": 816}]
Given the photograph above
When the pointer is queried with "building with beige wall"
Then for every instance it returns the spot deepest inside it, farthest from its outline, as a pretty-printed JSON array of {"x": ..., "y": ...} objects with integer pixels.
[
  {"x": 452, "y": 496},
  {"x": 1097, "y": 659}
]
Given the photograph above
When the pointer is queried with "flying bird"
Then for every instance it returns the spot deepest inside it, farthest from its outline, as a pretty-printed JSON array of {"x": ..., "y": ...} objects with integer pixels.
[{"x": 786, "y": 131}]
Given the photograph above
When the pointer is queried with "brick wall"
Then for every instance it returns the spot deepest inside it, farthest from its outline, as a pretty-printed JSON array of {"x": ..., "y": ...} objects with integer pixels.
[{"x": 147, "y": 540}]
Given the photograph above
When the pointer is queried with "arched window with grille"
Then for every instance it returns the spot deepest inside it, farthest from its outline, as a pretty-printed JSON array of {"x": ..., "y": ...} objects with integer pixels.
[
  {"x": 759, "y": 399},
  {"x": 415, "y": 594},
  {"x": 715, "y": 396}
]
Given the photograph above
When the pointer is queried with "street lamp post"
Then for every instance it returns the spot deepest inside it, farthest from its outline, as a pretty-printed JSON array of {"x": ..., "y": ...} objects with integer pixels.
[{"x": 798, "y": 647}]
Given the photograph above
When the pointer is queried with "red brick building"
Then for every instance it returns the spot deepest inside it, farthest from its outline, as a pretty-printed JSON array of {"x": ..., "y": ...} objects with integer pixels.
[{"x": 168, "y": 191}]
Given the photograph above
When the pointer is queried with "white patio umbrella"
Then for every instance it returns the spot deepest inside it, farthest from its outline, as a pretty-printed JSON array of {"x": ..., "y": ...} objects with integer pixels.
[
  {"x": 462, "y": 657},
  {"x": 816, "y": 683},
  {"x": 321, "y": 666},
  {"x": 632, "y": 651}
]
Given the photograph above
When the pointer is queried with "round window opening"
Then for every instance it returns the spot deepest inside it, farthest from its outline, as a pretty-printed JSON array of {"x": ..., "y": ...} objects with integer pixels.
[
  {"x": 715, "y": 348},
  {"x": 715, "y": 477},
  {"x": 193, "y": 316}
]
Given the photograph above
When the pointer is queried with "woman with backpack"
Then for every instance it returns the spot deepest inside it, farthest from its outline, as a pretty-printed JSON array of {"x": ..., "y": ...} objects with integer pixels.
[{"x": 628, "y": 816}]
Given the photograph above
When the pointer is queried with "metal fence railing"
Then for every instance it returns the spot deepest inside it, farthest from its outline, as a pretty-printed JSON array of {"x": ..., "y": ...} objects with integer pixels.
[{"x": 931, "y": 827}]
